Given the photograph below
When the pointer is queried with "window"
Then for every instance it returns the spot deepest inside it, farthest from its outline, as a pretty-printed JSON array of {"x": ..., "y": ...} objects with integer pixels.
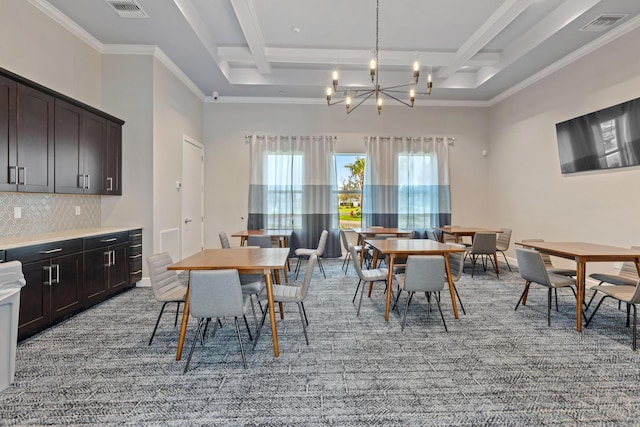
[
  {"x": 417, "y": 190},
  {"x": 284, "y": 190},
  {"x": 350, "y": 178}
]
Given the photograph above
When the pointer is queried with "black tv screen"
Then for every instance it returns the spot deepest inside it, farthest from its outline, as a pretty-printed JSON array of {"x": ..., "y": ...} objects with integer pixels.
[{"x": 608, "y": 138}]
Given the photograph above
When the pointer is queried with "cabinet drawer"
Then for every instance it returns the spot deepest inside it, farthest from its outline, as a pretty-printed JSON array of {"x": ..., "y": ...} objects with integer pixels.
[
  {"x": 135, "y": 236},
  {"x": 105, "y": 240},
  {"x": 43, "y": 251}
]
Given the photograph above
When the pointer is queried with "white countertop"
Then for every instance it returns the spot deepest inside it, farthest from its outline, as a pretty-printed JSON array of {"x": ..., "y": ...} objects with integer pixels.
[{"x": 54, "y": 236}]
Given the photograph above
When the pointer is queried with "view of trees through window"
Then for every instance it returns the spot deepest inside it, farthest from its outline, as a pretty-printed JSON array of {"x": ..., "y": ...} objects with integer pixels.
[{"x": 350, "y": 177}]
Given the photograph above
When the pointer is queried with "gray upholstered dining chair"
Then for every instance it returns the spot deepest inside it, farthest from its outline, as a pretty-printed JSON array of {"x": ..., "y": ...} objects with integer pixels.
[
  {"x": 224, "y": 240},
  {"x": 303, "y": 253},
  {"x": 215, "y": 294},
  {"x": 533, "y": 270},
  {"x": 348, "y": 257},
  {"x": 483, "y": 248},
  {"x": 502, "y": 243},
  {"x": 291, "y": 293},
  {"x": 627, "y": 294},
  {"x": 549, "y": 264},
  {"x": 431, "y": 234},
  {"x": 260, "y": 241},
  {"x": 424, "y": 273},
  {"x": 627, "y": 276},
  {"x": 165, "y": 284},
  {"x": 366, "y": 276}
]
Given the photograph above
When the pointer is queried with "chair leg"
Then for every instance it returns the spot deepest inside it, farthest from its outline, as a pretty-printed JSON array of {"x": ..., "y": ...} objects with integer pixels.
[
  {"x": 157, "y": 322},
  {"x": 635, "y": 318},
  {"x": 555, "y": 290},
  {"x": 459, "y": 300},
  {"x": 526, "y": 288},
  {"x": 628, "y": 313},
  {"x": 406, "y": 308},
  {"x": 549, "y": 307},
  {"x": 244, "y": 360},
  {"x": 175, "y": 322},
  {"x": 298, "y": 267},
  {"x": 253, "y": 310},
  {"x": 305, "y": 313},
  {"x": 248, "y": 328},
  {"x": 364, "y": 285},
  {"x": 591, "y": 299},
  {"x": 346, "y": 257},
  {"x": 473, "y": 264},
  {"x": 264, "y": 316},
  {"x": 193, "y": 345},
  {"x": 302, "y": 318},
  {"x": 505, "y": 260},
  {"x": 441, "y": 315},
  {"x": 395, "y": 303},
  {"x": 356, "y": 293},
  {"x": 595, "y": 311},
  {"x": 321, "y": 267}
]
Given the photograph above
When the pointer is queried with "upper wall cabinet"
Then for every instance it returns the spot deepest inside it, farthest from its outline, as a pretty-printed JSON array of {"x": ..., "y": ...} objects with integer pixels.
[
  {"x": 26, "y": 138},
  {"x": 52, "y": 143},
  {"x": 81, "y": 150}
]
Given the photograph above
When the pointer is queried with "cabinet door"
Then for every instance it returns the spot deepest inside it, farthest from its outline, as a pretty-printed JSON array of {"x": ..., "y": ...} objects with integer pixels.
[
  {"x": 68, "y": 135},
  {"x": 35, "y": 303},
  {"x": 114, "y": 159},
  {"x": 66, "y": 292},
  {"x": 8, "y": 90},
  {"x": 119, "y": 269},
  {"x": 34, "y": 134},
  {"x": 96, "y": 269},
  {"x": 93, "y": 151}
]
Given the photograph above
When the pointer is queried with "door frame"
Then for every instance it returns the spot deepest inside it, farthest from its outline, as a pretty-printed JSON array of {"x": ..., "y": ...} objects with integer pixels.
[{"x": 188, "y": 140}]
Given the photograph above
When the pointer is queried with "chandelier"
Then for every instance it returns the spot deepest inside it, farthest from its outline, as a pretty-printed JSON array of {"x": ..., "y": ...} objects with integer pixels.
[{"x": 361, "y": 94}]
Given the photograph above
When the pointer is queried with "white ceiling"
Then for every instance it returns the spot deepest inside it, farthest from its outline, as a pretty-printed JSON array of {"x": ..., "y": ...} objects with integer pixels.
[{"x": 478, "y": 50}]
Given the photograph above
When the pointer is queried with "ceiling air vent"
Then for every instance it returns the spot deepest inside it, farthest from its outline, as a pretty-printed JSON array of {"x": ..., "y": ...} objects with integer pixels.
[
  {"x": 603, "y": 22},
  {"x": 127, "y": 8}
]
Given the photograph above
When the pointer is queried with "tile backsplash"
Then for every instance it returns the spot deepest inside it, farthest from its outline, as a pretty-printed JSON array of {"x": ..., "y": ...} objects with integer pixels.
[{"x": 41, "y": 213}]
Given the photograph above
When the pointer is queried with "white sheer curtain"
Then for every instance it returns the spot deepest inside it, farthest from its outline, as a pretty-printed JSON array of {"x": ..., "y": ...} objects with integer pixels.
[
  {"x": 293, "y": 186},
  {"x": 406, "y": 182}
]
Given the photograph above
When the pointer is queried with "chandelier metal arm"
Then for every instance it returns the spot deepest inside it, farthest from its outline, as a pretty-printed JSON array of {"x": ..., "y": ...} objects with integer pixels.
[
  {"x": 384, "y": 92},
  {"x": 369, "y": 95}
]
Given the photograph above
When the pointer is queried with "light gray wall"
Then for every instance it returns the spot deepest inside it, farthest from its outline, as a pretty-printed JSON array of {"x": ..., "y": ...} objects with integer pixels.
[
  {"x": 529, "y": 194},
  {"x": 177, "y": 112},
  {"x": 34, "y": 46},
  {"x": 227, "y": 155}
]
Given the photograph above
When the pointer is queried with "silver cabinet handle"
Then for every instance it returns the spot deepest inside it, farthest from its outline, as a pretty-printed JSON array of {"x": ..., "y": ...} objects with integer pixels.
[
  {"x": 109, "y": 183},
  {"x": 81, "y": 185},
  {"x": 113, "y": 254},
  {"x": 13, "y": 179},
  {"x": 57, "y": 279},
  {"x": 113, "y": 239},
  {"x": 50, "y": 251},
  {"x": 136, "y": 246},
  {"x": 49, "y": 270},
  {"x": 136, "y": 235},
  {"x": 88, "y": 182},
  {"x": 24, "y": 175},
  {"x": 132, "y": 256},
  {"x": 133, "y": 273}
]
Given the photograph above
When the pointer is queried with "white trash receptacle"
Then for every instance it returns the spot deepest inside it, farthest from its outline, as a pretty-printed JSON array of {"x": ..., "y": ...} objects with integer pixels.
[{"x": 11, "y": 282}]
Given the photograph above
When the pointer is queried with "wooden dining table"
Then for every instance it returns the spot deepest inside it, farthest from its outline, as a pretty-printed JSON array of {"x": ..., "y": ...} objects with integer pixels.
[
  {"x": 400, "y": 248},
  {"x": 246, "y": 261},
  {"x": 460, "y": 231},
  {"x": 281, "y": 235},
  {"x": 582, "y": 253},
  {"x": 372, "y": 232}
]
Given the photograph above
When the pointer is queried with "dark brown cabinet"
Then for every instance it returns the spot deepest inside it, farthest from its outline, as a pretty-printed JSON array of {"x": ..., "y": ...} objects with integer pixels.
[
  {"x": 26, "y": 138},
  {"x": 80, "y": 150},
  {"x": 106, "y": 266},
  {"x": 53, "y": 291},
  {"x": 114, "y": 159}
]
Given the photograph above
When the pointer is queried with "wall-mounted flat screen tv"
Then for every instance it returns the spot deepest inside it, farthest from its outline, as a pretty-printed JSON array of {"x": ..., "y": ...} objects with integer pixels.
[{"x": 604, "y": 139}]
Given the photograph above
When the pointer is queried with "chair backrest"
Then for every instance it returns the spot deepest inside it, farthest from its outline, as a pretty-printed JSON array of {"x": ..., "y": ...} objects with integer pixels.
[
  {"x": 545, "y": 257},
  {"x": 431, "y": 234},
  {"x": 456, "y": 261},
  {"x": 162, "y": 280},
  {"x": 303, "y": 290},
  {"x": 628, "y": 268},
  {"x": 215, "y": 293},
  {"x": 343, "y": 238},
  {"x": 259, "y": 241},
  {"x": 503, "y": 239},
  {"x": 424, "y": 273},
  {"x": 224, "y": 240},
  {"x": 384, "y": 236},
  {"x": 322, "y": 243},
  {"x": 531, "y": 266},
  {"x": 356, "y": 261},
  {"x": 484, "y": 243}
]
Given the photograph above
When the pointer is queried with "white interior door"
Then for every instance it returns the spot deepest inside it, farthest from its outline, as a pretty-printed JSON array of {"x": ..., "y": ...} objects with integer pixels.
[{"x": 192, "y": 197}]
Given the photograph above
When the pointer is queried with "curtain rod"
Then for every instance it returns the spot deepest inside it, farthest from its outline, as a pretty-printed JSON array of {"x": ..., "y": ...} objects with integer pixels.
[{"x": 450, "y": 139}]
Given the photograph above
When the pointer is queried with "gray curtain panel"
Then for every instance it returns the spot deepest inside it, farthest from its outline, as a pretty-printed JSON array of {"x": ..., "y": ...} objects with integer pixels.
[
  {"x": 293, "y": 187},
  {"x": 406, "y": 183}
]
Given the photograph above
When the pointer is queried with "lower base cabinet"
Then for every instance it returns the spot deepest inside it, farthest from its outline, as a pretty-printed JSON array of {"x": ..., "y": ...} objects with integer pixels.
[{"x": 66, "y": 277}]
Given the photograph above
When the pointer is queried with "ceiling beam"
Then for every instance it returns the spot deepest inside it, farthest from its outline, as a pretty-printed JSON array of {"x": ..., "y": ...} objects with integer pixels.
[
  {"x": 502, "y": 17},
  {"x": 193, "y": 18},
  {"x": 246, "y": 14}
]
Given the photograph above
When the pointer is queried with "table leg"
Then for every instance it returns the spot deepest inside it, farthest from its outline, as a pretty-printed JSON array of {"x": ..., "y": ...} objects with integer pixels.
[
  {"x": 284, "y": 243},
  {"x": 580, "y": 285},
  {"x": 452, "y": 290},
  {"x": 185, "y": 321},
  {"x": 272, "y": 313},
  {"x": 389, "y": 285},
  {"x": 495, "y": 258}
]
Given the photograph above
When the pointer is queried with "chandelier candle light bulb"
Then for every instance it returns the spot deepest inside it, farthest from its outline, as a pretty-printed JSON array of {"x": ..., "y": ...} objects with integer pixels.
[
  {"x": 328, "y": 96},
  {"x": 335, "y": 80},
  {"x": 416, "y": 71}
]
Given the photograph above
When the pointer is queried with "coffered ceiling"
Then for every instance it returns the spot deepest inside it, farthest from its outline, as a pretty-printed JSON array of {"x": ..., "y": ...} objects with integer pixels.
[{"x": 478, "y": 51}]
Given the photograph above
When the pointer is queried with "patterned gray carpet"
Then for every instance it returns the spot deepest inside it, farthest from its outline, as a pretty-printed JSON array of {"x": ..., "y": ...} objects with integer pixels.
[{"x": 495, "y": 366}]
